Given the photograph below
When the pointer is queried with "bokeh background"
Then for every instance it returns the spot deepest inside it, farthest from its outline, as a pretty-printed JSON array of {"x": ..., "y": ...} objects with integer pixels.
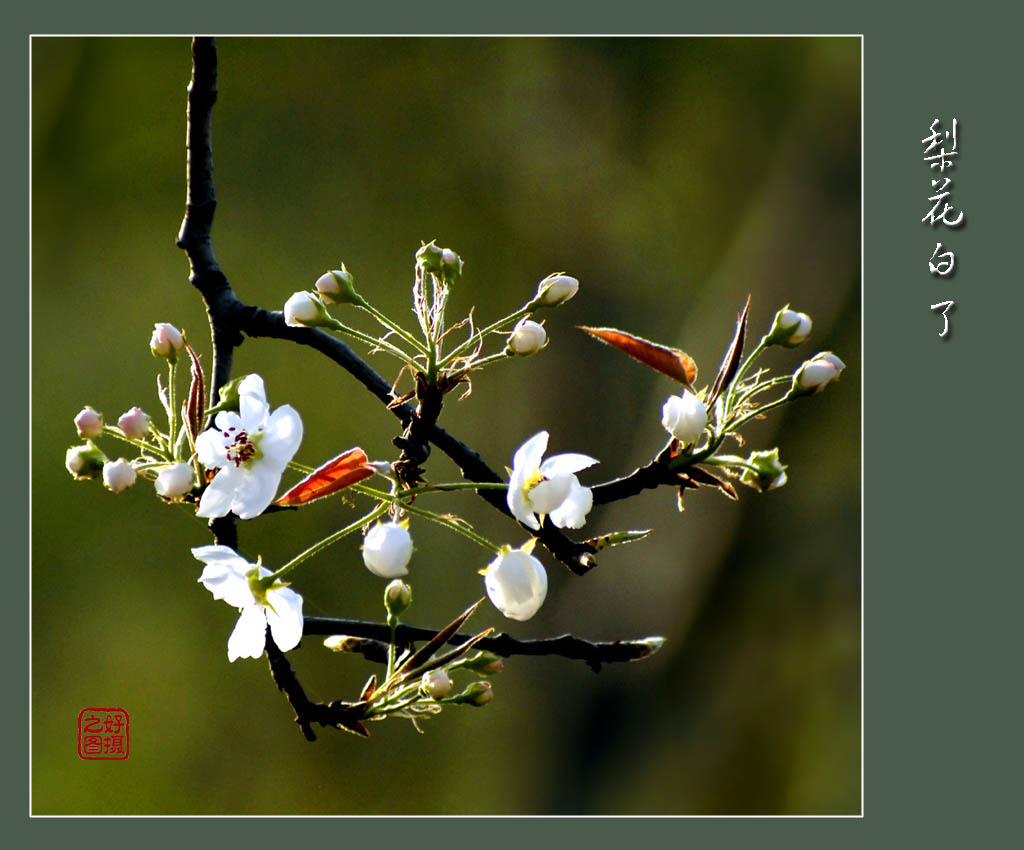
[{"x": 672, "y": 177}]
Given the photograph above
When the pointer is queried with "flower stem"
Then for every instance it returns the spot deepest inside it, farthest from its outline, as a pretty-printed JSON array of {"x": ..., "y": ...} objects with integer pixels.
[
  {"x": 396, "y": 498},
  {"x": 764, "y": 408},
  {"x": 391, "y": 325},
  {"x": 380, "y": 510},
  {"x": 481, "y": 541},
  {"x": 141, "y": 444},
  {"x": 383, "y": 345},
  {"x": 525, "y": 310},
  {"x": 172, "y": 418}
]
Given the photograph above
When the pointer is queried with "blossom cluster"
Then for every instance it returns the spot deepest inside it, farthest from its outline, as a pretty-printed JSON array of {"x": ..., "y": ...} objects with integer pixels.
[{"x": 230, "y": 458}]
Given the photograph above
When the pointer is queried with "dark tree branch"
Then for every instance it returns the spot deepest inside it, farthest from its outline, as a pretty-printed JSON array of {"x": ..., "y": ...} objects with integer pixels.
[
  {"x": 594, "y": 653},
  {"x": 338, "y": 714},
  {"x": 231, "y": 320}
]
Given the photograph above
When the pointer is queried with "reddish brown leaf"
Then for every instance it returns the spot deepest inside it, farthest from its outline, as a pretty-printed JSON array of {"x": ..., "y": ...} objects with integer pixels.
[
  {"x": 669, "y": 361},
  {"x": 731, "y": 362},
  {"x": 194, "y": 407},
  {"x": 338, "y": 473}
]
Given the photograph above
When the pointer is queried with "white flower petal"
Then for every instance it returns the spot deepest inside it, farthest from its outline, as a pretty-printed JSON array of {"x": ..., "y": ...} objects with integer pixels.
[
  {"x": 227, "y": 585},
  {"x": 255, "y": 491},
  {"x": 565, "y": 464},
  {"x": 572, "y": 513},
  {"x": 249, "y": 637},
  {"x": 285, "y": 617},
  {"x": 219, "y": 493},
  {"x": 282, "y": 436},
  {"x": 529, "y": 454},
  {"x": 210, "y": 449},
  {"x": 252, "y": 403},
  {"x": 228, "y": 419},
  {"x": 548, "y": 495},
  {"x": 520, "y": 507}
]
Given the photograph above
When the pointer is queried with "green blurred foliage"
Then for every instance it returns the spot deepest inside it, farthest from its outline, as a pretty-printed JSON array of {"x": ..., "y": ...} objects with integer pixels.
[{"x": 672, "y": 177}]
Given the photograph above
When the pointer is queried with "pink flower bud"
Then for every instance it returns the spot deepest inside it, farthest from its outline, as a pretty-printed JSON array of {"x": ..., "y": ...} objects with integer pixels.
[
  {"x": 89, "y": 423},
  {"x": 134, "y": 423},
  {"x": 166, "y": 341}
]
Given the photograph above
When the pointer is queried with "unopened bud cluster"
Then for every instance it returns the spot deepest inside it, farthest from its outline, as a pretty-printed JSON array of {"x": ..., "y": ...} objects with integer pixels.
[{"x": 441, "y": 262}]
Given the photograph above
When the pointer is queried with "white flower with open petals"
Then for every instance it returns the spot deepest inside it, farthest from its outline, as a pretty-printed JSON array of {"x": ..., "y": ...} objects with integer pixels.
[
  {"x": 230, "y": 577},
  {"x": 549, "y": 487},
  {"x": 251, "y": 449}
]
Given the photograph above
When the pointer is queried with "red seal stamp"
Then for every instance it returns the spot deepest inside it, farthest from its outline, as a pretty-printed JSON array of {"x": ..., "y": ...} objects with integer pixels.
[{"x": 103, "y": 733}]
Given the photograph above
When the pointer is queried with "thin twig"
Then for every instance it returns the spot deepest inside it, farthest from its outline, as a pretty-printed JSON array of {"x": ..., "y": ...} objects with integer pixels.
[{"x": 594, "y": 653}]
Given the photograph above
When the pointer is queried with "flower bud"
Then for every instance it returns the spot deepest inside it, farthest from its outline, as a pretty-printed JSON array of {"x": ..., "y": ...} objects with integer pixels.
[
  {"x": 397, "y": 598},
  {"x": 228, "y": 394},
  {"x": 451, "y": 266},
  {"x": 387, "y": 548},
  {"x": 769, "y": 472},
  {"x": 341, "y": 643},
  {"x": 516, "y": 583},
  {"x": 174, "y": 481},
  {"x": 134, "y": 423},
  {"x": 483, "y": 663},
  {"x": 436, "y": 684},
  {"x": 430, "y": 258},
  {"x": 89, "y": 423},
  {"x": 556, "y": 289},
  {"x": 479, "y": 693},
  {"x": 306, "y": 310},
  {"x": 338, "y": 287},
  {"x": 527, "y": 338},
  {"x": 166, "y": 341},
  {"x": 684, "y": 417},
  {"x": 118, "y": 475},
  {"x": 85, "y": 461},
  {"x": 789, "y": 328},
  {"x": 817, "y": 373}
]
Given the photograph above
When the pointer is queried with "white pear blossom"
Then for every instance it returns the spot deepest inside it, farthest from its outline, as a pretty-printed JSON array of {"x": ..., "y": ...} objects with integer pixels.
[
  {"x": 818, "y": 372},
  {"x": 230, "y": 577},
  {"x": 556, "y": 289},
  {"x": 134, "y": 423},
  {"x": 89, "y": 423},
  {"x": 684, "y": 417},
  {"x": 251, "y": 449},
  {"x": 528, "y": 337},
  {"x": 118, "y": 475},
  {"x": 516, "y": 582},
  {"x": 174, "y": 481},
  {"x": 549, "y": 487},
  {"x": 387, "y": 548}
]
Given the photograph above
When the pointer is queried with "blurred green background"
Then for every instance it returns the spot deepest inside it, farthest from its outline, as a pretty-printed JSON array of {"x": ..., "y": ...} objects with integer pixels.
[{"x": 672, "y": 177}]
